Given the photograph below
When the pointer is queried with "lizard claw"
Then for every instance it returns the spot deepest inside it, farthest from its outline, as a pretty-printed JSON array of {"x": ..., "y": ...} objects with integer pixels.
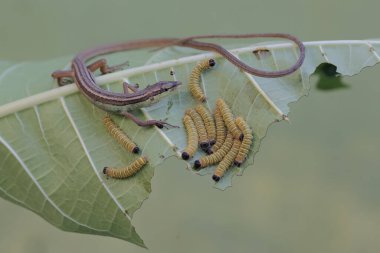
[
  {"x": 162, "y": 123},
  {"x": 64, "y": 81}
]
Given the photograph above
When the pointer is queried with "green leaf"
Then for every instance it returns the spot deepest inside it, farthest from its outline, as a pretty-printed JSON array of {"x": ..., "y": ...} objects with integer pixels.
[{"x": 53, "y": 145}]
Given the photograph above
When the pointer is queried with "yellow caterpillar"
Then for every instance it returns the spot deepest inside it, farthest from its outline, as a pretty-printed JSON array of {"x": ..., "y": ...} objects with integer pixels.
[
  {"x": 246, "y": 143},
  {"x": 195, "y": 78},
  {"x": 227, "y": 161},
  {"x": 201, "y": 129},
  {"x": 228, "y": 119},
  {"x": 119, "y": 135},
  {"x": 220, "y": 130},
  {"x": 209, "y": 123},
  {"x": 192, "y": 138},
  {"x": 216, "y": 156},
  {"x": 128, "y": 171}
]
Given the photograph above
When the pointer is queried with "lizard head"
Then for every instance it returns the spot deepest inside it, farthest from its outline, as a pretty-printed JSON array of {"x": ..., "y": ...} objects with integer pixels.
[
  {"x": 159, "y": 90},
  {"x": 162, "y": 88}
]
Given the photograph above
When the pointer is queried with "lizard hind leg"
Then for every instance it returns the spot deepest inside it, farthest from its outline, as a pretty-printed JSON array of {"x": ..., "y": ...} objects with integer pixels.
[
  {"x": 102, "y": 65},
  {"x": 67, "y": 76},
  {"x": 63, "y": 76}
]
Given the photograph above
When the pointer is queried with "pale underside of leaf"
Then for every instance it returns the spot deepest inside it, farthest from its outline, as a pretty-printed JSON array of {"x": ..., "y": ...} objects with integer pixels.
[{"x": 54, "y": 147}]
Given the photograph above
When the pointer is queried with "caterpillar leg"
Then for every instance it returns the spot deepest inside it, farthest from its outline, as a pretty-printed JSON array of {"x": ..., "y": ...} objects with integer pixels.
[
  {"x": 102, "y": 65},
  {"x": 147, "y": 123}
]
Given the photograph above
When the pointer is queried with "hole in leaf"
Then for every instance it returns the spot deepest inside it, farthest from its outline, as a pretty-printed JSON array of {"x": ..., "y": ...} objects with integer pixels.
[{"x": 329, "y": 78}]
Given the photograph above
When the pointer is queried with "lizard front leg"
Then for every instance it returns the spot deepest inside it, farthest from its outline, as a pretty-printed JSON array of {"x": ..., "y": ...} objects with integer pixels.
[
  {"x": 128, "y": 86},
  {"x": 158, "y": 123}
]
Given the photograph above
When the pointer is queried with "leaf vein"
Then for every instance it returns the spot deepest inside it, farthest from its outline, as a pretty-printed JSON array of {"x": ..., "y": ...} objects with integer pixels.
[
  {"x": 88, "y": 155},
  {"x": 25, "y": 168}
]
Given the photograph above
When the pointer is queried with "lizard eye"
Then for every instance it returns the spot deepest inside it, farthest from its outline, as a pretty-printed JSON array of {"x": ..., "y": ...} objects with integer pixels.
[{"x": 166, "y": 89}]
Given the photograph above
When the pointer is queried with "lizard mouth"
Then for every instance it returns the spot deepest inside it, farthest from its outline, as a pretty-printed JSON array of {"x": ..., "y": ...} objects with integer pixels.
[{"x": 171, "y": 85}]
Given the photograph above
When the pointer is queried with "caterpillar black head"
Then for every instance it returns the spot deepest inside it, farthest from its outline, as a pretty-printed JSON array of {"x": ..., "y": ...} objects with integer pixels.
[
  {"x": 204, "y": 146},
  {"x": 197, "y": 164},
  {"x": 211, "y": 62},
  {"x": 136, "y": 150},
  {"x": 215, "y": 178},
  {"x": 237, "y": 163},
  {"x": 185, "y": 156}
]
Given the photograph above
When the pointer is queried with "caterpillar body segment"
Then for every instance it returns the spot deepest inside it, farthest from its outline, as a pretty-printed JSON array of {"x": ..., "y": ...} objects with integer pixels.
[
  {"x": 119, "y": 135},
  {"x": 246, "y": 143},
  {"x": 209, "y": 123},
  {"x": 201, "y": 129},
  {"x": 220, "y": 130},
  {"x": 227, "y": 161},
  {"x": 195, "y": 79},
  {"x": 128, "y": 171},
  {"x": 192, "y": 138},
  {"x": 228, "y": 119},
  {"x": 217, "y": 156}
]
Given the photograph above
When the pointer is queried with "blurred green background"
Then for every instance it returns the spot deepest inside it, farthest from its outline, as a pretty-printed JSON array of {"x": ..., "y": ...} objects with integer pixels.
[{"x": 315, "y": 184}]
